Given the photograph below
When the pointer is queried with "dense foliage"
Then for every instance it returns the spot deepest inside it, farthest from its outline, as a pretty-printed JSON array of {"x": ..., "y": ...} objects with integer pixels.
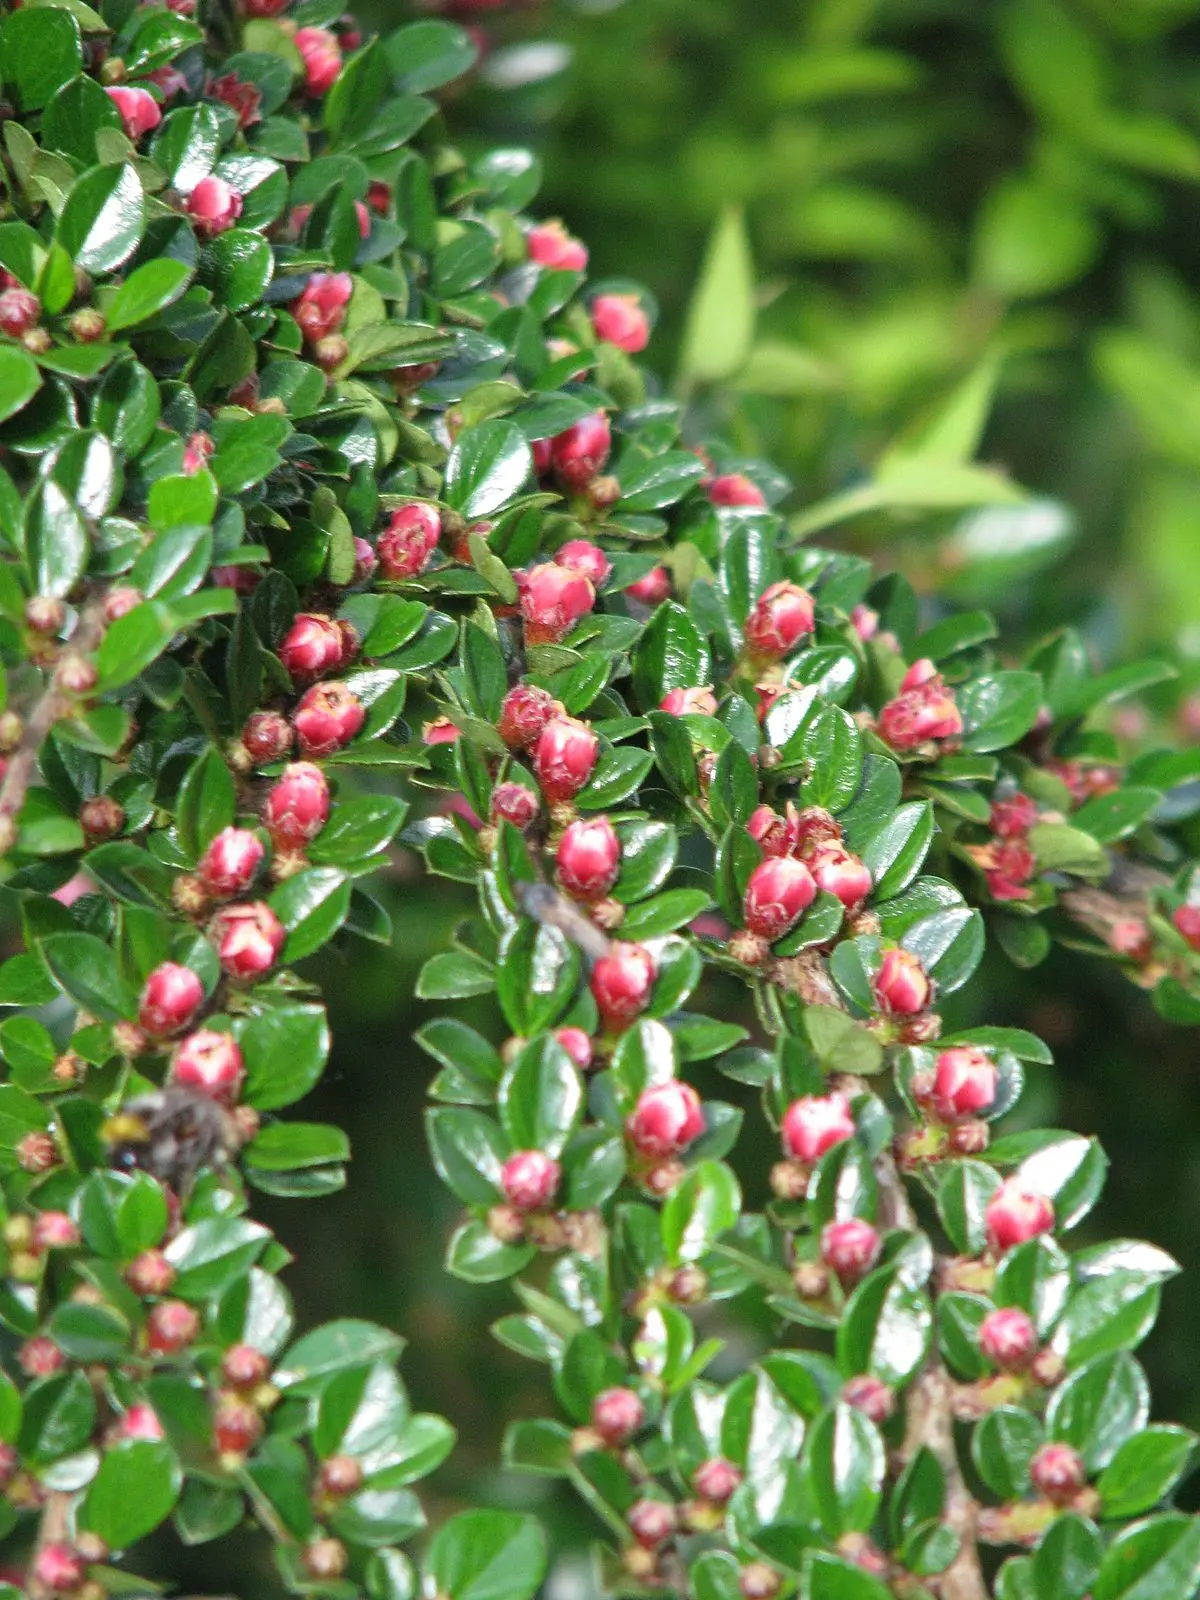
[{"x": 337, "y": 511}]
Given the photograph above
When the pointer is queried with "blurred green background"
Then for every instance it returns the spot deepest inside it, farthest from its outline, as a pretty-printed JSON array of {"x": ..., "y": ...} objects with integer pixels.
[{"x": 925, "y": 183}]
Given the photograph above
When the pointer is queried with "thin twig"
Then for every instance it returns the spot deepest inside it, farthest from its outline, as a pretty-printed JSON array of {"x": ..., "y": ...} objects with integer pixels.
[{"x": 52, "y": 1529}]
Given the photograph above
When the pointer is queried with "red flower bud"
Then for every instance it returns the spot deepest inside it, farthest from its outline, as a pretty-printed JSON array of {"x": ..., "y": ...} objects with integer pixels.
[
  {"x": 1015, "y": 1214},
  {"x": 101, "y": 817},
  {"x": 779, "y": 892},
  {"x": 1058, "y": 1472},
  {"x": 1008, "y": 1339},
  {"x": 214, "y": 206},
  {"x": 651, "y": 1522},
  {"x": 210, "y": 1063},
  {"x": 581, "y": 453},
  {"x": 815, "y": 1124},
  {"x": 923, "y": 710},
  {"x": 120, "y": 602},
  {"x": 37, "y": 1152},
  {"x": 841, "y": 874},
  {"x": 525, "y": 711},
  {"x": 620, "y": 320},
  {"x": 230, "y": 863},
  {"x": 150, "y": 1273},
  {"x": 735, "y": 489},
  {"x": 265, "y": 8},
  {"x": 171, "y": 1326},
  {"x": 964, "y": 1085},
  {"x": 40, "y": 1357},
  {"x": 138, "y": 108},
  {"x": 311, "y": 647},
  {"x": 1013, "y": 817},
  {"x": 54, "y": 1230},
  {"x": 577, "y": 1045},
  {"x": 585, "y": 558},
  {"x": 322, "y": 57},
  {"x": 850, "y": 1249},
  {"x": 865, "y": 622},
  {"x": 1187, "y": 922},
  {"x": 779, "y": 619},
  {"x": 321, "y": 307},
  {"x": 244, "y": 1366},
  {"x": 689, "y": 702},
  {"x": 530, "y": 1180},
  {"x": 550, "y": 245},
  {"x": 716, "y": 1479},
  {"x": 775, "y": 835},
  {"x": 340, "y": 1476},
  {"x": 564, "y": 757},
  {"x": 652, "y": 589},
  {"x": 267, "y": 737},
  {"x": 19, "y": 312},
  {"x": 243, "y": 98},
  {"x": 617, "y": 1414},
  {"x": 553, "y": 599},
  {"x": 249, "y": 939},
  {"x": 237, "y": 1426},
  {"x": 297, "y": 807},
  {"x": 170, "y": 999},
  {"x": 901, "y": 987},
  {"x": 513, "y": 802},
  {"x": 406, "y": 545},
  {"x": 622, "y": 982},
  {"x": 140, "y": 1422},
  {"x": 589, "y": 858},
  {"x": 329, "y": 716},
  {"x": 666, "y": 1119},
  {"x": 871, "y": 1396},
  {"x": 59, "y": 1568}
]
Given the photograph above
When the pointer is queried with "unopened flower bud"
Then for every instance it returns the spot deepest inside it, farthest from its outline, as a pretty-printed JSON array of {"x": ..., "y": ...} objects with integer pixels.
[
  {"x": 622, "y": 982},
  {"x": 1058, "y": 1472},
  {"x": 325, "y": 1559},
  {"x": 619, "y": 319},
  {"x": 651, "y": 1522},
  {"x": 311, "y": 648},
  {"x": 577, "y": 1044},
  {"x": 652, "y": 589},
  {"x": 101, "y": 818},
  {"x": 716, "y": 1479},
  {"x": 735, "y": 489},
  {"x": 267, "y": 737},
  {"x": 617, "y": 1414},
  {"x": 580, "y": 454},
  {"x": 1008, "y": 1339},
  {"x": 229, "y": 866},
  {"x": 964, "y": 1083},
  {"x": 871, "y": 1396},
  {"x": 850, "y": 1249},
  {"x": 814, "y": 1124},
  {"x": 589, "y": 858},
  {"x": 45, "y": 615},
  {"x": 666, "y": 1119},
  {"x": 340, "y": 1476},
  {"x": 407, "y": 544},
  {"x": 328, "y": 717},
  {"x": 564, "y": 757},
  {"x": 781, "y": 616},
  {"x": 171, "y": 1327},
  {"x": 901, "y": 987},
  {"x": 150, "y": 1273},
  {"x": 778, "y": 893},
  {"x": 530, "y": 1180},
  {"x": 209, "y": 1063},
  {"x": 297, "y": 806},
  {"x": 214, "y": 205},
  {"x": 1015, "y": 1214}
]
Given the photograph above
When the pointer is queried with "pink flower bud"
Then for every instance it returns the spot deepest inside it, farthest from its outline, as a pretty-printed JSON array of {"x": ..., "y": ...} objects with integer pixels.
[
  {"x": 237, "y": 1426},
  {"x": 1187, "y": 922},
  {"x": 871, "y": 1396},
  {"x": 530, "y": 1180},
  {"x": 901, "y": 987},
  {"x": 1058, "y": 1472},
  {"x": 322, "y": 57},
  {"x": 170, "y": 999},
  {"x": 150, "y": 1273},
  {"x": 297, "y": 807},
  {"x": 524, "y": 712},
  {"x": 964, "y": 1084},
  {"x": 229, "y": 865},
  {"x": 919, "y": 675},
  {"x": 814, "y": 1124},
  {"x": 138, "y": 108},
  {"x": 585, "y": 558},
  {"x": 924, "y": 710},
  {"x": 865, "y": 622},
  {"x": 564, "y": 757},
  {"x": 775, "y": 835},
  {"x": 550, "y": 245},
  {"x": 214, "y": 206},
  {"x": 244, "y": 1366},
  {"x": 120, "y": 602},
  {"x": 211, "y": 1064},
  {"x": 513, "y": 802},
  {"x": 54, "y": 1230},
  {"x": 580, "y": 454},
  {"x": 779, "y": 619},
  {"x": 171, "y": 1326},
  {"x": 196, "y": 455},
  {"x": 311, "y": 647},
  {"x": 267, "y": 737},
  {"x": 1013, "y": 817},
  {"x": 841, "y": 874},
  {"x": 589, "y": 858},
  {"x": 242, "y": 98},
  {"x": 140, "y": 1422},
  {"x": 40, "y": 1357},
  {"x": 735, "y": 489},
  {"x": 553, "y": 599},
  {"x": 19, "y": 312},
  {"x": 700, "y": 702},
  {"x": 329, "y": 716},
  {"x": 169, "y": 80},
  {"x": 365, "y": 560},
  {"x": 101, "y": 817},
  {"x": 340, "y": 1476},
  {"x": 577, "y": 1045},
  {"x": 716, "y": 1479},
  {"x": 1008, "y": 868},
  {"x": 617, "y": 1414},
  {"x": 620, "y": 320},
  {"x": 1131, "y": 937},
  {"x": 406, "y": 545},
  {"x": 850, "y": 1249},
  {"x": 666, "y": 1119},
  {"x": 622, "y": 982},
  {"x": 59, "y": 1569},
  {"x": 652, "y": 589},
  {"x": 779, "y": 892},
  {"x": 249, "y": 939},
  {"x": 36, "y": 1152},
  {"x": 651, "y": 1522},
  {"x": 321, "y": 307},
  {"x": 265, "y": 8},
  {"x": 1015, "y": 1214},
  {"x": 1008, "y": 1339}
]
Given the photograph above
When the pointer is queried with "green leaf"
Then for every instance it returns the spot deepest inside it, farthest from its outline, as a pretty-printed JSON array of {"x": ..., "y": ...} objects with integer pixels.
[
  {"x": 312, "y": 906},
  {"x": 57, "y": 546},
  {"x": 885, "y": 1328},
  {"x": 845, "y": 1458},
  {"x": 469, "y": 1152},
  {"x": 1154, "y": 1560},
  {"x": 135, "y": 1489},
  {"x": 487, "y": 1555},
  {"x": 1145, "y": 1470},
  {"x": 698, "y": 1210},
  {"x": 83, "y": 968},
  {"x": 425, "y": 55},
  {"x": 453, "y": 975},
  {"x": 20, "y": 380},
  {"x": 1100, "y": 1406},
  {"x": 671, "y": 654},
  {"x": 999, "y": 709},
  {"x": 133, "y": 642},
  {"x": 540, "y": 1098},
  {"x": 335, "y": 1347},
  {"x": 43, "y": 50},
  {"x": 720, "y": 321},
  {"x": 102, "y": 222},
  {"x": 895, "y": 852},
  {"x": 488, "y": 467},
  {"x": 145, "y": 292},
  {"x": 285, "y": 1050}
]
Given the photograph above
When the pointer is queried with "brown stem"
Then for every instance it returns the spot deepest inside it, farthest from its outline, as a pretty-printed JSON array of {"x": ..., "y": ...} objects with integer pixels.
[{"x": 51, "y": 1530}]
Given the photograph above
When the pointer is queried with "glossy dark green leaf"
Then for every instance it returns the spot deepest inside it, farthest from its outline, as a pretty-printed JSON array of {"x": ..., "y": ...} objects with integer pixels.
[{"x": 103, "y": 220}]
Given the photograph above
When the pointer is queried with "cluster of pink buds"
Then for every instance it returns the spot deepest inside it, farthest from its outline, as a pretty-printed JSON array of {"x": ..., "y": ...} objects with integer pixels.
[
  {"x": 923, "y": 712},
  {"x": 320, "y": 310},
  {"x": 1085, "y": 781},
  {"x": 804, "y": 853},
  {"x": 1006, "y": 860},
  {"x": 406, "y": 546}
]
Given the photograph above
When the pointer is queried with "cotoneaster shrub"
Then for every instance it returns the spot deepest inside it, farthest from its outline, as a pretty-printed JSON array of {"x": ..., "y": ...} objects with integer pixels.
[{"x": 337, "y": 511}]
